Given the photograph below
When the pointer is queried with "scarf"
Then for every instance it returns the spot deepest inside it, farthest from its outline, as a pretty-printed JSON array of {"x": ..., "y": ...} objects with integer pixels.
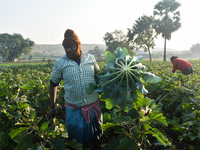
[{"x": 70, "y": 38}]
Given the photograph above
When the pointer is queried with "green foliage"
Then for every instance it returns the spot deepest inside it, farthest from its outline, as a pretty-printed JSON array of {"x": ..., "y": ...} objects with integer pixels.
[
  {"x": 134, "y": 118},
  {"x": 12, "y": 46},
  {"x": 138, "y": 123},
  {"x": 181, "y": 104},
  {"x": 195, "y": 48},
  {"x": 24, "y": 107},
  {"x": 142, "y": 34},
  {"x": 97, "y": 52},
  {"x": 167, "y": 117},
  {"x": 30, "y": 57},
  {"x": 117, "y": 39},
  {"x": 122, "y": 77},
  {"x": 167, "y": 19}
]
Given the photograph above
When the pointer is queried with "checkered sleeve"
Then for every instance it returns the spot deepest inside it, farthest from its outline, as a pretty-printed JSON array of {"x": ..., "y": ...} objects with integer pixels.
[
  {"x": 96, "y": 66},
  {"x": 57, "y": 74},
  {"x": 96, "y": 69}
]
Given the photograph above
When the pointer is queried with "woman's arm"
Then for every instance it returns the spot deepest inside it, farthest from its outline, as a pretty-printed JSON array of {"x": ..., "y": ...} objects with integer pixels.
[{"x": 53, "y": 93}]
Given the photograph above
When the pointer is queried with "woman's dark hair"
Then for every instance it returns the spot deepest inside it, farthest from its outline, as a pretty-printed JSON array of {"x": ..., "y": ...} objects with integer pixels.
[{"x": 172, "y": 58}]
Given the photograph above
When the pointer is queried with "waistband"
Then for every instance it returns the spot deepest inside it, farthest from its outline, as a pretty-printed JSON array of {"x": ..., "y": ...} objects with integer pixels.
[{"x": 86, "y": 110}]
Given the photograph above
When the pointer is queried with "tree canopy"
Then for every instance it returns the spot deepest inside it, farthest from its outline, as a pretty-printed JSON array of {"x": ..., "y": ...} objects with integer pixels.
[
  {"x": 97, "y": 52},
  {"x": 167, "y": 19},
  {"x": 142, "y": 34},
  {"x": 195, "y": 48},
  {"x": 116, "y": 39},
  {"x": 12, "y": 46}
]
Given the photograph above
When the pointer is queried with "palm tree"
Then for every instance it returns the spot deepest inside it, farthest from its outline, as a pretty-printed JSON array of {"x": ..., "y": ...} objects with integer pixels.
[{"x": 167, "y": 19}]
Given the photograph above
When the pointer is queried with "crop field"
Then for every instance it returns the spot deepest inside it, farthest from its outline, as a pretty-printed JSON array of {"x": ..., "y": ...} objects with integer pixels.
[{"x": 166, "y": 117}]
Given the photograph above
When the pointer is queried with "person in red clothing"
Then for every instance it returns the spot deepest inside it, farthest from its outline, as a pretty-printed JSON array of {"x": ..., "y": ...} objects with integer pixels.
[{"x": 182, "y": 65}]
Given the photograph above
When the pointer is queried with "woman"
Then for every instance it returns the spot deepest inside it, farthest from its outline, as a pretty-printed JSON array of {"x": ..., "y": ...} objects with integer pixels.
[
  {"x": 182, "y": 65},
  {"x": 77, "y": 70}
]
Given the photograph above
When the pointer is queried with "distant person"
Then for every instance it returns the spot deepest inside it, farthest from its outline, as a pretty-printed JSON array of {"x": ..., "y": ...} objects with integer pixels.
[
  {"x": 182, "y": 65},
  {"x": 77, "y": 70}
]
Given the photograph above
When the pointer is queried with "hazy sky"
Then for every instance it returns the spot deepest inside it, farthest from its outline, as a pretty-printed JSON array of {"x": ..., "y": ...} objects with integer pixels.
[{"x": 45, "y": 21}]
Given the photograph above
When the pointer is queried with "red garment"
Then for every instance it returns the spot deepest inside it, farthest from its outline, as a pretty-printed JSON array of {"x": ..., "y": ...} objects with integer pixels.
[
  {"x": 86, "y": 110},
  {"x": 180, "y": 64}
]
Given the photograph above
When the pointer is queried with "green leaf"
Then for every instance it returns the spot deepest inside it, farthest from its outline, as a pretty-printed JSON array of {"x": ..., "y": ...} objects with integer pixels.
[
  {"x": 112, "y": 145},
  {"x": 40, "y": 148},
  {"x": 44, "y": 126},
  {"x": 65, "y": 135},
  {"x": 197, "y": 112},
  {"x": 74, "y": 144},
  {"x": 15, "y": 132},
  {"x": 159, "y": 118},
  {"x": 150, "y": 77},
  {"x": 141, "y": 88},
  {"x": 144, "y": 119},
  {"x": 114, "y": 90},
  {"x": 29, "y": 112},
  {"x": 144, "y": 103},
  {"x": 178, "y": 128},
  {"x": 109, "y": 56},
  {"x": 191, "y": 135},
  {"x": 186, "y": 90},
  {"x": 26, "y": 87},
  {"x": 127, "y": 144},
  {"x": 187, "y": 106},
  {"x": 12, "y": 108},
  {"x": 133, "y": 113},
  {"x": 106, "y": 117},
  {"x": 140, "y": 67},
  {"x": 25, "y": 143},
  {"x": 109, "y": 65},
  {"x": 188, "y": 116},
  {"x": 91, "y": 88},
  {"x": 155, "y": 132},
  {"x": 139, "y": 59},
  {"x": 57, "y": 143},
  {"x": 174, "y": 121},
  {"x": 19, "y": 138},
  {"x": 32, "y": 113},
  {"x": 3, "y": 140},
  {"x": 108, "y": 125},
  {"x": 125, "y": 98},
  {"x": 21, "y": 106},
  {"x": 110, "y": 102},
  {"x": 123, "y": 119},
  {"x": 159, "y": 106},
  {"x": 121, "y": 52}
]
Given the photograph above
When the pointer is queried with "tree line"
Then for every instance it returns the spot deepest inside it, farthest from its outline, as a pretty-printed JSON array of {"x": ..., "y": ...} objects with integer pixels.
[
  {"x": 145, "y": 30},
  {"x": 141, "y": 35},
  {"x": 13, "y": 46}
]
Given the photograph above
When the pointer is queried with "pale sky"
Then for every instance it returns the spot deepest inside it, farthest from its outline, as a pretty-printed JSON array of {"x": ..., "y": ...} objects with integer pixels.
[{"x": 45, "y": 21}]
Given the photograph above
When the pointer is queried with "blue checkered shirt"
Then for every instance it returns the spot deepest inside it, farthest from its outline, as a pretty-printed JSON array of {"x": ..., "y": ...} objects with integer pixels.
[{"x": 76, "y": 78}]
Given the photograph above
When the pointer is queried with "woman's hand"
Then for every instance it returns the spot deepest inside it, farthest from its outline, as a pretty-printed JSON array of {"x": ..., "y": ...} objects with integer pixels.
[{"x": 52, "y": 114}]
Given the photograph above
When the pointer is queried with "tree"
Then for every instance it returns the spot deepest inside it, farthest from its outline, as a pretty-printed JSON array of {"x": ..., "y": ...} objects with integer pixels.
[
  {"x": 90, "y": 51},
  {"x": 97, "y": 52},
  {"x": 195, "y": 50},
  {"x": 167, "y": 19},
  {"x": 142, "y": 34},
  {"x": 116, "y": 39},
  {"x": 12, "y": 46},
  {"x": 30, "y": 57}
]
